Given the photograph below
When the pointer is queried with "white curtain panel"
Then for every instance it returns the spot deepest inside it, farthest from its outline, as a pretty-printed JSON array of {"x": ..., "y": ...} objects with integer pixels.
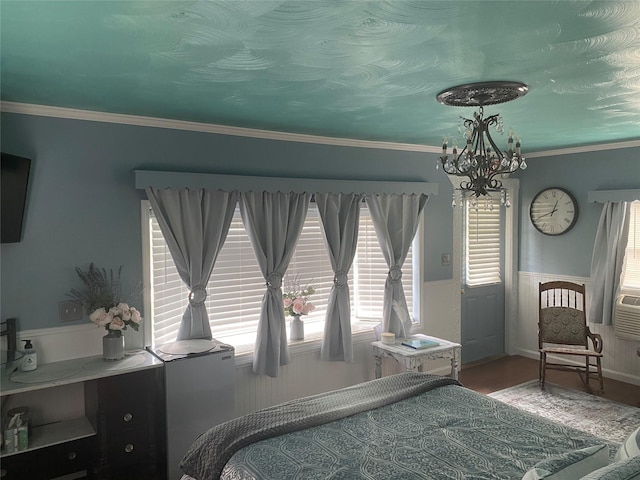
[
  {"x": 608, "y": 260},
  {"x": 395, "y": 219},
  {"x": 194, "y": 224},
  {"x": 273, "y": 221},
  {"x": 340, "y": 215}
]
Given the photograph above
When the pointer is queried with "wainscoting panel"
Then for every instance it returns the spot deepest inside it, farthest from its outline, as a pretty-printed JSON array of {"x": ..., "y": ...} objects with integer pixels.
[
  {"x": 64, "y": 343},
  {"x": 620, "y": 360},
  {"x": 305, "y": 375},
  {"x": 441, "y": 310}
]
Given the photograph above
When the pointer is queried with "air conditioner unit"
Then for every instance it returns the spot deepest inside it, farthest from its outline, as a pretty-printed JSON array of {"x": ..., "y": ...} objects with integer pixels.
[{"x": 626, "y": 317}]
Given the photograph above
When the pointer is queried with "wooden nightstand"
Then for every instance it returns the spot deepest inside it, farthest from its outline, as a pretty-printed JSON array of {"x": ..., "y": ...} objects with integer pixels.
[{"x": 413, "y": 359}]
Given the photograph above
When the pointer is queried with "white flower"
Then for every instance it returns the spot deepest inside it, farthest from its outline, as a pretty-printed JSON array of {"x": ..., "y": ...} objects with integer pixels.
[
  {"x": 101, "y": 317},
  {"x": 117, "y": 324},
  {"x": 101, "y": 299},
  {"x": 125, "y": 312},
  {"x": 135, "y": 315},
  {"x": 97, "y": 315}
]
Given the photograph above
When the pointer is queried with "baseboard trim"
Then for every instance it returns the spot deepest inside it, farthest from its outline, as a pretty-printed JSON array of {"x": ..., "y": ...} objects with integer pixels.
[{"x": 484, "y": 361}]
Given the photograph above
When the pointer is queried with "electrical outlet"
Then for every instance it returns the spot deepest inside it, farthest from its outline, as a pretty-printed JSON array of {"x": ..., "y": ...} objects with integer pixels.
[
  {"x": 69, "y": 311},
  {"x": 445, "y": 259}
]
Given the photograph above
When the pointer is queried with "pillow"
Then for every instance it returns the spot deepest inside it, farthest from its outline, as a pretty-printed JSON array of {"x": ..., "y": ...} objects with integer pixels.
[
  {"x": 570, "y": 465},
  {"x": 627, "y": 469},
  {"x": 630, "y": 447}
]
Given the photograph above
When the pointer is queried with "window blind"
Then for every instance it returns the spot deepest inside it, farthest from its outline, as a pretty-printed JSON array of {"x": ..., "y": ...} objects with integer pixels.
[
  {"x": 370, "y": 273},
  {"x": 631, "y": 268},
  {"x": 236, "y": 286},
  {"x": 483, "y": 241}
]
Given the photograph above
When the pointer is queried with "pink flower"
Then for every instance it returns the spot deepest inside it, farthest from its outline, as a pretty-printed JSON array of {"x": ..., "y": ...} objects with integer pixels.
[
  {"x": 308, "y": 307},
  {"x": 298, "y": 306},
  {"x": 117, "y": 324},
  {"x": 287, "y": 302}
]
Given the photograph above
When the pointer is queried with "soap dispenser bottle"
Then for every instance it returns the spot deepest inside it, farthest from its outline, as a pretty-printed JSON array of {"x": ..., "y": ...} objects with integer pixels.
[{"x": 30, "y": 360}]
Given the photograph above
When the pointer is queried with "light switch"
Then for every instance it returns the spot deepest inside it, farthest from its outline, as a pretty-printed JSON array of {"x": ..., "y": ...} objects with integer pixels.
[{"x": 445, "y": 259}]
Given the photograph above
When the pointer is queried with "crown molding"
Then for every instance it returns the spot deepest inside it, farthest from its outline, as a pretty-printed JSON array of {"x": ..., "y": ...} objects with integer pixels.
[
  {"x": 93, "y": 116},
  {"x": 585, "y": 149}
]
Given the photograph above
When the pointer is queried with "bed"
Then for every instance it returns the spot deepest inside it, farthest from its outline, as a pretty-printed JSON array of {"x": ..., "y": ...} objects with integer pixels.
[{"x": 406, "y": 426}]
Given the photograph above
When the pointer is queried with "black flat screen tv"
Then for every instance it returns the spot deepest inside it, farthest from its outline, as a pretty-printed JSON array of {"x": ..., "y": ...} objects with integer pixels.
[{"x": 14, "y": 180}]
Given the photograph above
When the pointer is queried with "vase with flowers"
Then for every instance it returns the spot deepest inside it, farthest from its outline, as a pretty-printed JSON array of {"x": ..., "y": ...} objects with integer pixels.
[
  {"x": 296, "y": 303},
  {"x": 103, "y": 301}
]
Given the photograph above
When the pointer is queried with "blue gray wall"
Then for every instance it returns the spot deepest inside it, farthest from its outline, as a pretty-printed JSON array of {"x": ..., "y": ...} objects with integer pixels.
[
  {"x": 570, "y": 253},
  {"x": 82, "y": 206}
]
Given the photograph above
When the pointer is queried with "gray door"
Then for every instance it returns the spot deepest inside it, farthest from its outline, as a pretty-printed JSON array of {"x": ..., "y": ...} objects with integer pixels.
[
  {"x": 482, "y": 292},
  {"x": 482, "y": 322}
]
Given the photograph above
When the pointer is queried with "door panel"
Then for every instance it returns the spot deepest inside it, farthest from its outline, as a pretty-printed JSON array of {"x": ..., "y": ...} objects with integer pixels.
[{"x": 482, "y": 322}]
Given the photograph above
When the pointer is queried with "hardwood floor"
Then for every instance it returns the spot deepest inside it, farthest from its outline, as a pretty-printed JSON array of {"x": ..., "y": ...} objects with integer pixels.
[{"x": 503, "y": 372}]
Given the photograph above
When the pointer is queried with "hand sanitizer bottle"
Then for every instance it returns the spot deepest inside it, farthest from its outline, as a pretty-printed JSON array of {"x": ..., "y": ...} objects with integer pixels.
[{"x": 30, "y": 360}]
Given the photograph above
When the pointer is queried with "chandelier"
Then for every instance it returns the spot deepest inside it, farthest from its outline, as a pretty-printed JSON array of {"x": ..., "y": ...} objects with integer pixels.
[{"x": 481, "y": 161}]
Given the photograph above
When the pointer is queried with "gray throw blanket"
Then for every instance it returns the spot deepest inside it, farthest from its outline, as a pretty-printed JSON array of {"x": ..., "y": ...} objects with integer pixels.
[{"x": 208, "y": 455}]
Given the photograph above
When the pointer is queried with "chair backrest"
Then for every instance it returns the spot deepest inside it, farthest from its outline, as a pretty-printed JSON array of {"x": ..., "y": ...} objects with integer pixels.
[{"x": 561, "y": 314}]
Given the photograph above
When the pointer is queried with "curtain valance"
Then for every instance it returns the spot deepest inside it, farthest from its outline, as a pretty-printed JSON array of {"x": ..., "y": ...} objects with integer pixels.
[
  {"x": 604, "y": 196},
  {"x": 246, "y": 183}
]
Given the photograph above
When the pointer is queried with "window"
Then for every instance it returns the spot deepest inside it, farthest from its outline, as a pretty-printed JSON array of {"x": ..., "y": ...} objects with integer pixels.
[
  {"x": 631, "y": 269},
  {"x": 483, "y": 241},
  {"x": 236, "y": 286}
]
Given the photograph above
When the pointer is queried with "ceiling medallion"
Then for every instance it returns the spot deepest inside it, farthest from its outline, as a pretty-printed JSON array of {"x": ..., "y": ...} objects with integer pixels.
[{"x": 481, "y": 160}]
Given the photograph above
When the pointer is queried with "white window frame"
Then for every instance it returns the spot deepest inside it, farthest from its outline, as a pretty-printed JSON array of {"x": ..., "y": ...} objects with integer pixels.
[{"x": 313, "y": 337}]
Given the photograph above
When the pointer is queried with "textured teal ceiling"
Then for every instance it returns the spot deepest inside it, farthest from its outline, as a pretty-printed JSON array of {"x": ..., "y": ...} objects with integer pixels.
[{"x": 348, "y": 69}]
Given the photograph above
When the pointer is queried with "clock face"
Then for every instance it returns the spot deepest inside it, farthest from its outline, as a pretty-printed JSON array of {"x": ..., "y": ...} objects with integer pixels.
[{"x": 553, "y": 211}]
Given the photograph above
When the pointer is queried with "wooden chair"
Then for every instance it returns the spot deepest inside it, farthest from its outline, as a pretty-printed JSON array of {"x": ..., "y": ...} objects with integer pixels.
[{"x": 563, "y": 331}]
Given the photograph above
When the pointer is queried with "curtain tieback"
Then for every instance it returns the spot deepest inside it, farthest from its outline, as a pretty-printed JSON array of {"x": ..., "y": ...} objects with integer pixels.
[
  {"x": 395, "y": 274},
  {"x": 274, "y": 281},
  {"x": 340, "y": 279},
  {"x": 197, "y": 295}
]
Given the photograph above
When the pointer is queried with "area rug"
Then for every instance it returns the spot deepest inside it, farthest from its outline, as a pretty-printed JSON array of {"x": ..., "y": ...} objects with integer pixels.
[{"x": 598, "y": 416}]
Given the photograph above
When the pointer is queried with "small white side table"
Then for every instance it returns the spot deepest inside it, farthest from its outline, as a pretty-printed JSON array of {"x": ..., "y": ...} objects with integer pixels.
[{"x": 413, "y": 359}]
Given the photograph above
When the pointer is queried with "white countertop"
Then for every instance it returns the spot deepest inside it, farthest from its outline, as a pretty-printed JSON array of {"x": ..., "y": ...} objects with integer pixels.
[{"x": 74, "y": 371}]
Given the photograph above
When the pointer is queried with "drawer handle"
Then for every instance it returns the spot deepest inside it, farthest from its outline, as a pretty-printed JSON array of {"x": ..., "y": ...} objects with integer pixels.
[
  {"x": 128, "y": 448},
  {"x": 127, "y": 417},
  {"x": 71, "y": 455}
]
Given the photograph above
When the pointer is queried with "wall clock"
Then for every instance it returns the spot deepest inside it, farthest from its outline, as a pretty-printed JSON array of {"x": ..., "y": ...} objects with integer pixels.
[{"x": 553, "y": 211}]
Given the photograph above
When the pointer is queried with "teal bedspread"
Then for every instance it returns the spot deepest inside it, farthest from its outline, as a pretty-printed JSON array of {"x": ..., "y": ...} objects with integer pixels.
[{"x": 443, "y": 432}]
